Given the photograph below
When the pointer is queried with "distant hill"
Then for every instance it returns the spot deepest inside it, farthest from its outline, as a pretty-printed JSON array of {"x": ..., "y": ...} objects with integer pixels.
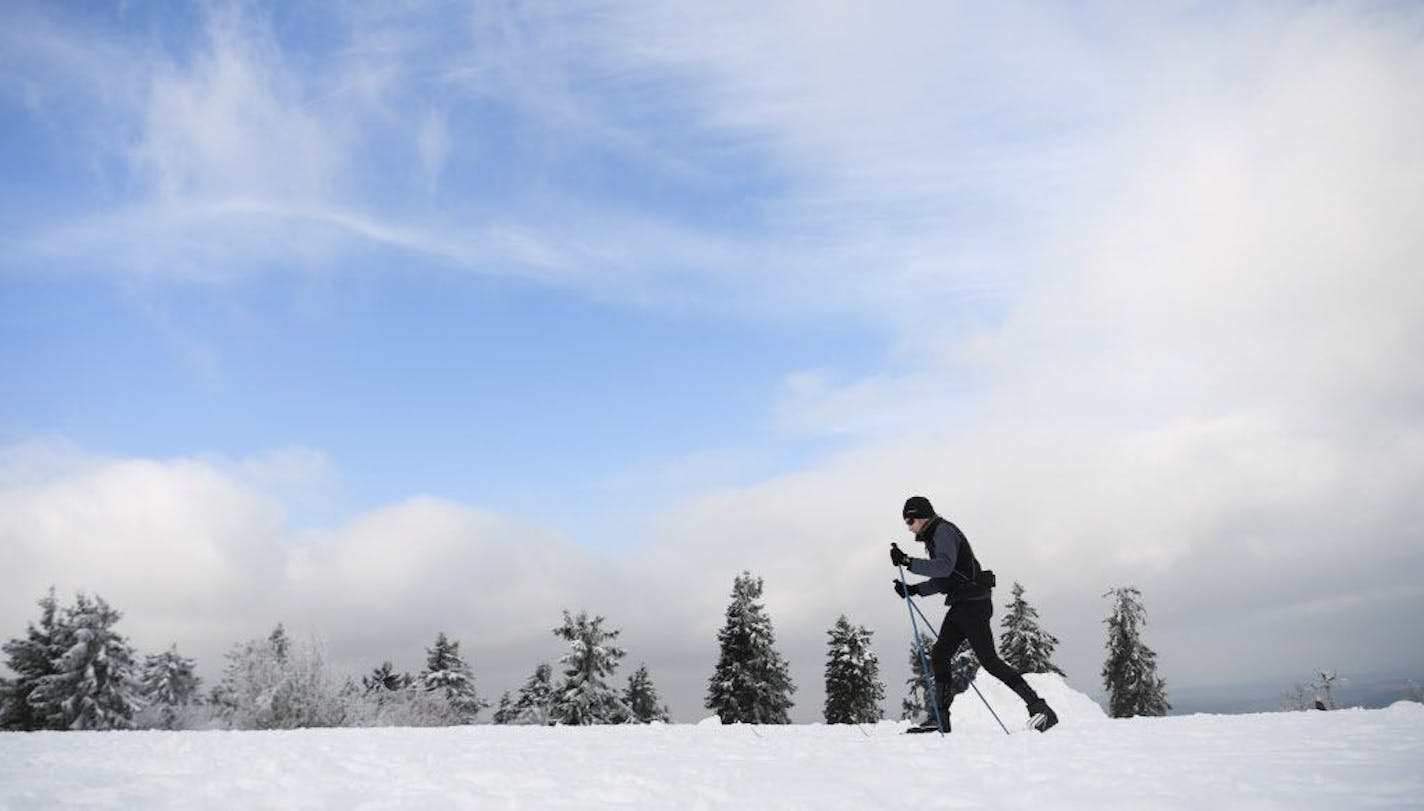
[{"x": 1266, "y": 696}]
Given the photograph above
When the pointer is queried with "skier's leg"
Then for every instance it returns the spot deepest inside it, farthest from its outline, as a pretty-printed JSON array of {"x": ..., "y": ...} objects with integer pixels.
[
  {"x": 981, "y": 638},
  {"x": 951, "y": 636},
  {"x": 976, "y": 616}
]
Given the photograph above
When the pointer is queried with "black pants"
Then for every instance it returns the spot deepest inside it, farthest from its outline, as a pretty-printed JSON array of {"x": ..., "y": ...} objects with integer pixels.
[{"x": 969, "y": 620}]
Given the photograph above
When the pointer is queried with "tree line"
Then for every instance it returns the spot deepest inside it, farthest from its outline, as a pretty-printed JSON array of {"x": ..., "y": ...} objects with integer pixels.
[{"x": 74, "y": 670}]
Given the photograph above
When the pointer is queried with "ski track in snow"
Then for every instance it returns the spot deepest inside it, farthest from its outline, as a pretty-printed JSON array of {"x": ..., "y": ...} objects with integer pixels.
[{"x": 1342, "y": 759}]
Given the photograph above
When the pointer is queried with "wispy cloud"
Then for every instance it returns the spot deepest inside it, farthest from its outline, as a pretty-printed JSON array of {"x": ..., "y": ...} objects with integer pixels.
[{"x": 871, "y": 192}]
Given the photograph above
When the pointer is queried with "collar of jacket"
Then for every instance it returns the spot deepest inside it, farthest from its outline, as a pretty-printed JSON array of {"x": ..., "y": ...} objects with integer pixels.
[{"x": 926, "y": 533}]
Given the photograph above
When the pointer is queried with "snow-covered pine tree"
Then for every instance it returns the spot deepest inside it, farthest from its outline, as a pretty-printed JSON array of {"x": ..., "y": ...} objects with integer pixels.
[
  {"x": 853, "y": 687},
  {"x": 30, "y": 659},
  {"x": 446, "y": 671},
  {"x": 167, "y": 682},
  {"x": 505, "y": 712},
  {"x": 641, "y": 698},
  {"x": 1130, "y": 672},
  {"x": 386, "y": 679},
  {"x": 278, "y": 643},
  {"x": 1024, "y": 645},
  {"x": 913, "y": 707},
  {"x": 584, "y": 697},
  {"x": 92, "y": 686},
  {"x": 752, "y": 683},
  {"x": 535, "y": 704},
  {"x": 169, "y": 678}
]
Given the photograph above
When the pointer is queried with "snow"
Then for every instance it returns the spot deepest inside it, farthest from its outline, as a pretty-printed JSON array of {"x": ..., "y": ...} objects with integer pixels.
[{"x": 1347, "y": 758}]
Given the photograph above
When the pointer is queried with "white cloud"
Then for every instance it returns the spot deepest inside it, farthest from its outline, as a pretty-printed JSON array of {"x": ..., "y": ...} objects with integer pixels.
[
  {"x": 232, "y": 123},
  {"x": 1209, "y": 392},
  {"x": 243, "y": 157},
  {"x": 202, "y": 553},
  {"x": 179, "y": 543}
]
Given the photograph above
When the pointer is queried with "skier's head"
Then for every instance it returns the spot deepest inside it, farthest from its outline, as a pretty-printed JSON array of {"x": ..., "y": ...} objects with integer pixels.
[{"x": 917, "y": 512}]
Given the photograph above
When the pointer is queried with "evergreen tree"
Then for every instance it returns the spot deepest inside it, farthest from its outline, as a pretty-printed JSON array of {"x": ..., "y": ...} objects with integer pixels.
[
  {"x": 752, "y": 683},
  {"x": 1024, "y": 645},
  {"x": 446, "y": 671},
  {"x": 279, "y": 644},
  {"x": 386, "y": 679},
  {"x": 505, "y": 713},
  {"x": 853, "y": 688},
  {"x": 535, "y": 704},
  {"x": 585, "y": 697},
  {"x": 1130, "y": 672},
  {"x": 92, "y": 686},
  {"x": 641, "y": 698},
  {"x": 167, "y": 682},
  {"x": 30, "y": 659},
  {"x": 914, "y": 706}
]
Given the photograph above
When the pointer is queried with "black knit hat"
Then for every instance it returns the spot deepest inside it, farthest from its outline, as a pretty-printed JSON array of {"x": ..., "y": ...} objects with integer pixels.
[{"x": 917, "y": 507}]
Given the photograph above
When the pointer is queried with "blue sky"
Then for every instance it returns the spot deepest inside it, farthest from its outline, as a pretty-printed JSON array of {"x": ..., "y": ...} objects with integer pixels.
[
  {"x": 309, "y": 311},
  {"x": 414, "y": 373},
  {"x": 454, "y": 385}
]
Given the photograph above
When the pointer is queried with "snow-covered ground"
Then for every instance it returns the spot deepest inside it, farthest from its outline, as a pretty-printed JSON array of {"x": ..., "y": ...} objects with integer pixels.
[{"x": 1344, "y": 759}]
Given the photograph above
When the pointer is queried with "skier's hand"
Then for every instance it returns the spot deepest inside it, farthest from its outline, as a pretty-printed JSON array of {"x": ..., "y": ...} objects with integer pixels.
[
  {"x": 902, "y": 589},
  {"x": 897, "y": 556}
]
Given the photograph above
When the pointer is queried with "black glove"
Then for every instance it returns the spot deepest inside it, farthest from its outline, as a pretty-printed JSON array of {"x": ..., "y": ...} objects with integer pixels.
[
  {"x": 897, "y": 556},
  {"x": 902, "y": 589}
]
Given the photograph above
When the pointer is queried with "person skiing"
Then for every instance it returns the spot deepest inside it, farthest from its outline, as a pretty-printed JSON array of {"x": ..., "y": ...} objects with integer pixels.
[{"x": 954, "y": 572}]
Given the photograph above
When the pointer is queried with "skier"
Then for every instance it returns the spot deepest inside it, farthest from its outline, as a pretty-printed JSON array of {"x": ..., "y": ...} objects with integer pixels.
[{"x": 954, "y": 572}]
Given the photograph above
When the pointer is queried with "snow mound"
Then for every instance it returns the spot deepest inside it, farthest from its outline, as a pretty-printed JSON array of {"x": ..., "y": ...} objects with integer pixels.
[
  {"x": 969, "y": 713},
  {"x": 1406, "y": 710}
]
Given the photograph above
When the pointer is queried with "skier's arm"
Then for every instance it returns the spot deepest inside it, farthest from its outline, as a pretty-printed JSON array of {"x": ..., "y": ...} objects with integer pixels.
[
  {"x": 925, "y": 588},
  {"x": 946, "y": 555}
]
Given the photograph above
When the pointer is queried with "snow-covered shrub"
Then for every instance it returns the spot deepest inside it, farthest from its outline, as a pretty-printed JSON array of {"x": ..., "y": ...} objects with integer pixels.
[{"x": 270, "y": 684}]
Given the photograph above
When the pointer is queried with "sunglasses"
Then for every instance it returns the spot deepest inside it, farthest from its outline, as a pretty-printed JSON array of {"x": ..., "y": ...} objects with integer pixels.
[{"x": 909, "y": 521}]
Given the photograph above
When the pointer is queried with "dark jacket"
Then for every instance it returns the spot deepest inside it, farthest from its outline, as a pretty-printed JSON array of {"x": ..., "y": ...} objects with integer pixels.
[{"x": 951, "y": 566}]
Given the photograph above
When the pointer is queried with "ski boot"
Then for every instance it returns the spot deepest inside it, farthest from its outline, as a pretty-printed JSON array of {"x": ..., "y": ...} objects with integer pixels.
[
  {"x": 929, "y": 724},
  {"x": 1041, "y": 716}
]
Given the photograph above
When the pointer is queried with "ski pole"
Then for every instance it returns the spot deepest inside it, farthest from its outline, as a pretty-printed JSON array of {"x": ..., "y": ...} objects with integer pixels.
[
  {"x": 971, "y": 681},
  {"x": 930, "y": 692}
]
